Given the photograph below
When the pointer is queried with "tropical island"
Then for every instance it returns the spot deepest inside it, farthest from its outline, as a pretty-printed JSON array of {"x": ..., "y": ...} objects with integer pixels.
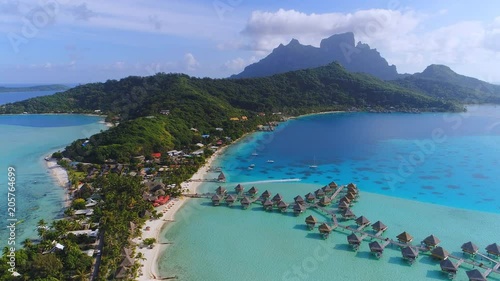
[
  {"x": 166, "y": 126},
  {"x": 52, "y": 87}
]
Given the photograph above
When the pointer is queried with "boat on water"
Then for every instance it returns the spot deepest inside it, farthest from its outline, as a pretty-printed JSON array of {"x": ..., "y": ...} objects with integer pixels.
[
  {"x": 46, "y": 158},
  {"x": 252, "y": 165},
  {"x": 313, "y": 166},
  {"x": 255, "y": 154},
  {"x": 270, "y": 161}
]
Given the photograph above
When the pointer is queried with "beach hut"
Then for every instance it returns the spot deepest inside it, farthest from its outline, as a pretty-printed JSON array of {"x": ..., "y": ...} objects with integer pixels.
[
  {"x": 216, "y": 200},
  {"x": 221, "y": 177},
  {"x": 282, "y": 206},
  {"x": 449, "y": 267},
  {"x": 277, "y": 198},
  {"x": 354, "y": 241},
  {"x": 343, "y": 205},
  {"x": 475, "y": 275},
  {"x": 493, "y": 249},
  {"x": 239, "y": 189},
  {"x": 362, "y": 221},
  {"x": 470, "y": 248},
  {"x": 347, "y": 214},
  {"x": 266, "y": 194},
  {"x": 325, "y": 230},
  {"x": 405, "y": 237},
  {"x": 325, "y": 201},
  {"x": 230, "y": 199},
  {"x": 268, "y": 205},
  {"x": 319, "y": 193},
  {"x": 220, "y": 190},
  {"x": 327, "y": 189},
  {"x": 376, "y": 248},
  {"x": 298, "y": 199},
  {"x": 298, "y": 209},
  {"x": 409, "y": 254},
  {"x": 431, "y": 241},
  {"x": 333, "y": 185},
  {"x": 245, "y": 202},
  {"x": 311, "y": 222},
  {"x": 253, "y": 191},
  {"x": 127, "y": 262},
  {"x": 440, "y": 253},
  {"x": 379, "y": 226},
  {"x": 310, "y": 197}
]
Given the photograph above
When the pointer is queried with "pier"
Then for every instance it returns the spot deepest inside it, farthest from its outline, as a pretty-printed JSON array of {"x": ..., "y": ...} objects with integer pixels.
[{"x": 343, "y": 197}]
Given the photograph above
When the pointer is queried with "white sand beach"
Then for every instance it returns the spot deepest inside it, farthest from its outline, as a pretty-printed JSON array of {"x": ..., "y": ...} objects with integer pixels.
[
  {"x": 61, "y": 176},
  {"x": 149, "y": 267}
]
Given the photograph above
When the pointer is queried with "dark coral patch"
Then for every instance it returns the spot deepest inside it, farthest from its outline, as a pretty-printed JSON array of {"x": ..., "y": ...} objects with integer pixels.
[
  {"x": 428, "y": 187},
  {"x": 452, "y": 186}
]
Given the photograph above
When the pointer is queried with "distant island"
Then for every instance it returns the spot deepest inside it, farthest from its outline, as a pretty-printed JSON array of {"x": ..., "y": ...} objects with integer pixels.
[{"x": 52, "y": 87}]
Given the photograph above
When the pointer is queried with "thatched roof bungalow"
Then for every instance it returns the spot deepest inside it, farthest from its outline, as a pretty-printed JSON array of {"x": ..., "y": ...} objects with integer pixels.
[
  {"x": 405, "y": 237},
  {"x": 493, "y": 249},
  {"x": 448, "y": 266},
  {"x": 409, "y": 253},
  {"x": 266, "y": 194},
  {"x": 431, "y": 241},
  {"x": 379, "y": 226},
  {"x": 298, "y": 209},
  {"x": 245, "y": 202},
  {"x": 230, "y": 199},
  {"x": 470, "y": 248},
  {"x": 268, "y": 205},
  {"x": 239, "y": 189},
  {"x": 310, "y": 197},
  {"x": 311, "y": 221},
  {"x": 475, "y": 275},
  {"x": 333, "y": 185},
  {"x": 327, "y": 189},
  {"x": 362, "y": 220},
  {"x": 319, "y": 193},
  {"x": 376, "y": 248},
  {"x": 220, "y": 190},
  {"x": 253, "y": 191},
  {"x": 325, "y": 230},
  {"x": 298, "y": 199},
  {"x": 282, "y": 206},
  {"x": 440, "y": 253},
  {"x": 277, "y": 198},
  {"x": 348, "y": 214},
  {"x": 216, "y": 200},
  {"x": 221, "y": 177},
  {"x": 353, "y": 239},
  {"x": 325, "y": 201},
  {"x": 343, "y": 205}
]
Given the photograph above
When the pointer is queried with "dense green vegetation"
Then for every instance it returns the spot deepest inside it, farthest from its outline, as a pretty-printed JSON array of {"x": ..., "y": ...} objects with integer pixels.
[
  {"x": 440, "y": 81},
  {"x": 54, "y": 87}
]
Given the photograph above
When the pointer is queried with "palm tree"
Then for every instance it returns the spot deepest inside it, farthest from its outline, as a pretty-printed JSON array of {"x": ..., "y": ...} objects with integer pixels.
[
  {"x": 81, "y": 275},
  {"x": 27, "y": 243},
  {"x": 42, "y": 228}
]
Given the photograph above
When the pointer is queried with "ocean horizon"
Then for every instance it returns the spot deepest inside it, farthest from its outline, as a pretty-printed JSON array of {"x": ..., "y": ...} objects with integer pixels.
[{"x": 430, "y": 173}]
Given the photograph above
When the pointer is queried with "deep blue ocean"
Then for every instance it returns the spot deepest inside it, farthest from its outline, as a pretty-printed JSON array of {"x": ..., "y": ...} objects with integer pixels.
[{"x": 441, "y": 158}]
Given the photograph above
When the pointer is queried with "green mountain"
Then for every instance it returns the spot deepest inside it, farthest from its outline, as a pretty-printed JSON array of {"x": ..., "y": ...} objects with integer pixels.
[
  {"x": 206, "y": 104},
  {"x": 441, "y": 82},
  {"x": 54, "y": 87},
  {"x": 339, "y": 48}
]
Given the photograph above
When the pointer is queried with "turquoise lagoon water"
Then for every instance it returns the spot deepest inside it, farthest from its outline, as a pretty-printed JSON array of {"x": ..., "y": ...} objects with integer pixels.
[
  {"x": 25, "y": 141},
  {"x": 425, "y": 174}
]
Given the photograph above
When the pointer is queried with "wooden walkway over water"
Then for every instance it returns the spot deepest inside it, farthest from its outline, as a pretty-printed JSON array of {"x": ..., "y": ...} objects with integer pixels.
[{"x": 331, "y": 212}]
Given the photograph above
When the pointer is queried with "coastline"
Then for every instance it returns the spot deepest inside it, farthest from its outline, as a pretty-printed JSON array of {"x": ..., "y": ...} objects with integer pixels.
[
  {"x": 318, "y": 113},
  {"x": 60, "y": 175},
  {"x": 149, "y": 267}
]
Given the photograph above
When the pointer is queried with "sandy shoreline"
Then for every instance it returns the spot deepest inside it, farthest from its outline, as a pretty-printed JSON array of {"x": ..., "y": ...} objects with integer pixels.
[
  {"x": 149, "y": 266},
  {"x": 61, "y": 177}
]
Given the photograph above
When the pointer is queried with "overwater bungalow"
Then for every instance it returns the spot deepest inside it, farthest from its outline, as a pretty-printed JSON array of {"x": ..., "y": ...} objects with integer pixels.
[
  {"x": 216, "y": 200},
  {"x": 431, "y": 241},
  {"x": 298, "y": 199},
  {"x": 343, "y": 205},
  {"x": 268, "y": 205},
  {"x": 319, "y": 193},
  {"x": 376, "y": 248},
  {"x": 310, "y": 197},
  {"x": 245, "y": 202},
  {"x": 350, "y": 196},
  {"x": 345, "y": 199},
  {"x": 266, "y": 194},
  {"x": 333, "y": 185},
  {"x": 470, "y": 248},
  {"x": 253, "y": 191},
  {"x": 230, "y": 199},
  {"x": 239, "y": 189},
  {"x": 409, "y": 254},
  {"x": 311, "y": 222},
  {"x": 354, "y": 241},
  {"x": 220, "y": 190},
  {"x": 405, "y": 237},
  {"x": 327, "y": 189},
  {"x": 493, "y": 249},
  {"x": 221, "y": 177},
  {"x": 282, "y": 206},
  {"x": 277, "y": 198},
  {"x": 347, "y": 214},
  {"x": 325, "y": 230},
  {"x": 325, "y": 201},
  {"x": 440, "y": 253},
  {"x": 379, "y": 226},
  {"x": 298, "y": 209},
  {"x": 449, "y": 267},
  {"x": 475, "y": 275},
  {"x": 352, "y": 186},
  {"x": 362, "y": 221}
]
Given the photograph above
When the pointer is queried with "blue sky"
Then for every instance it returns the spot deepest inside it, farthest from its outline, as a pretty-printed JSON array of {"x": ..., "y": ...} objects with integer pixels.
[{"x": 65, "y": 41}]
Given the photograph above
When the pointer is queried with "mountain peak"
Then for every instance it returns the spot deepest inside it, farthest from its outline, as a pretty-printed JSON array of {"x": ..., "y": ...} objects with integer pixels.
[
  {"x": 294, "y": 42},
  {"x": 335, "y": 41}
]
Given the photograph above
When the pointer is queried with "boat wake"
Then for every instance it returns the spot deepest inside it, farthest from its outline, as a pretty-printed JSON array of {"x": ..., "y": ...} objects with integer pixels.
[{"x": 270, "y": 181}]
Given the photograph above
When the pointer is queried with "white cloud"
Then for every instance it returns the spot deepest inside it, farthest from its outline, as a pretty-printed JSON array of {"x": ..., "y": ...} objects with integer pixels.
[{"x": 190, "y": 62}]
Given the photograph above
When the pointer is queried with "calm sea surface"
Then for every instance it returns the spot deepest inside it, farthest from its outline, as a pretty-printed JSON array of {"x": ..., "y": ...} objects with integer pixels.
[
  {"x": 25, "y": 140},
  {"x": 429, "y": 173}
]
